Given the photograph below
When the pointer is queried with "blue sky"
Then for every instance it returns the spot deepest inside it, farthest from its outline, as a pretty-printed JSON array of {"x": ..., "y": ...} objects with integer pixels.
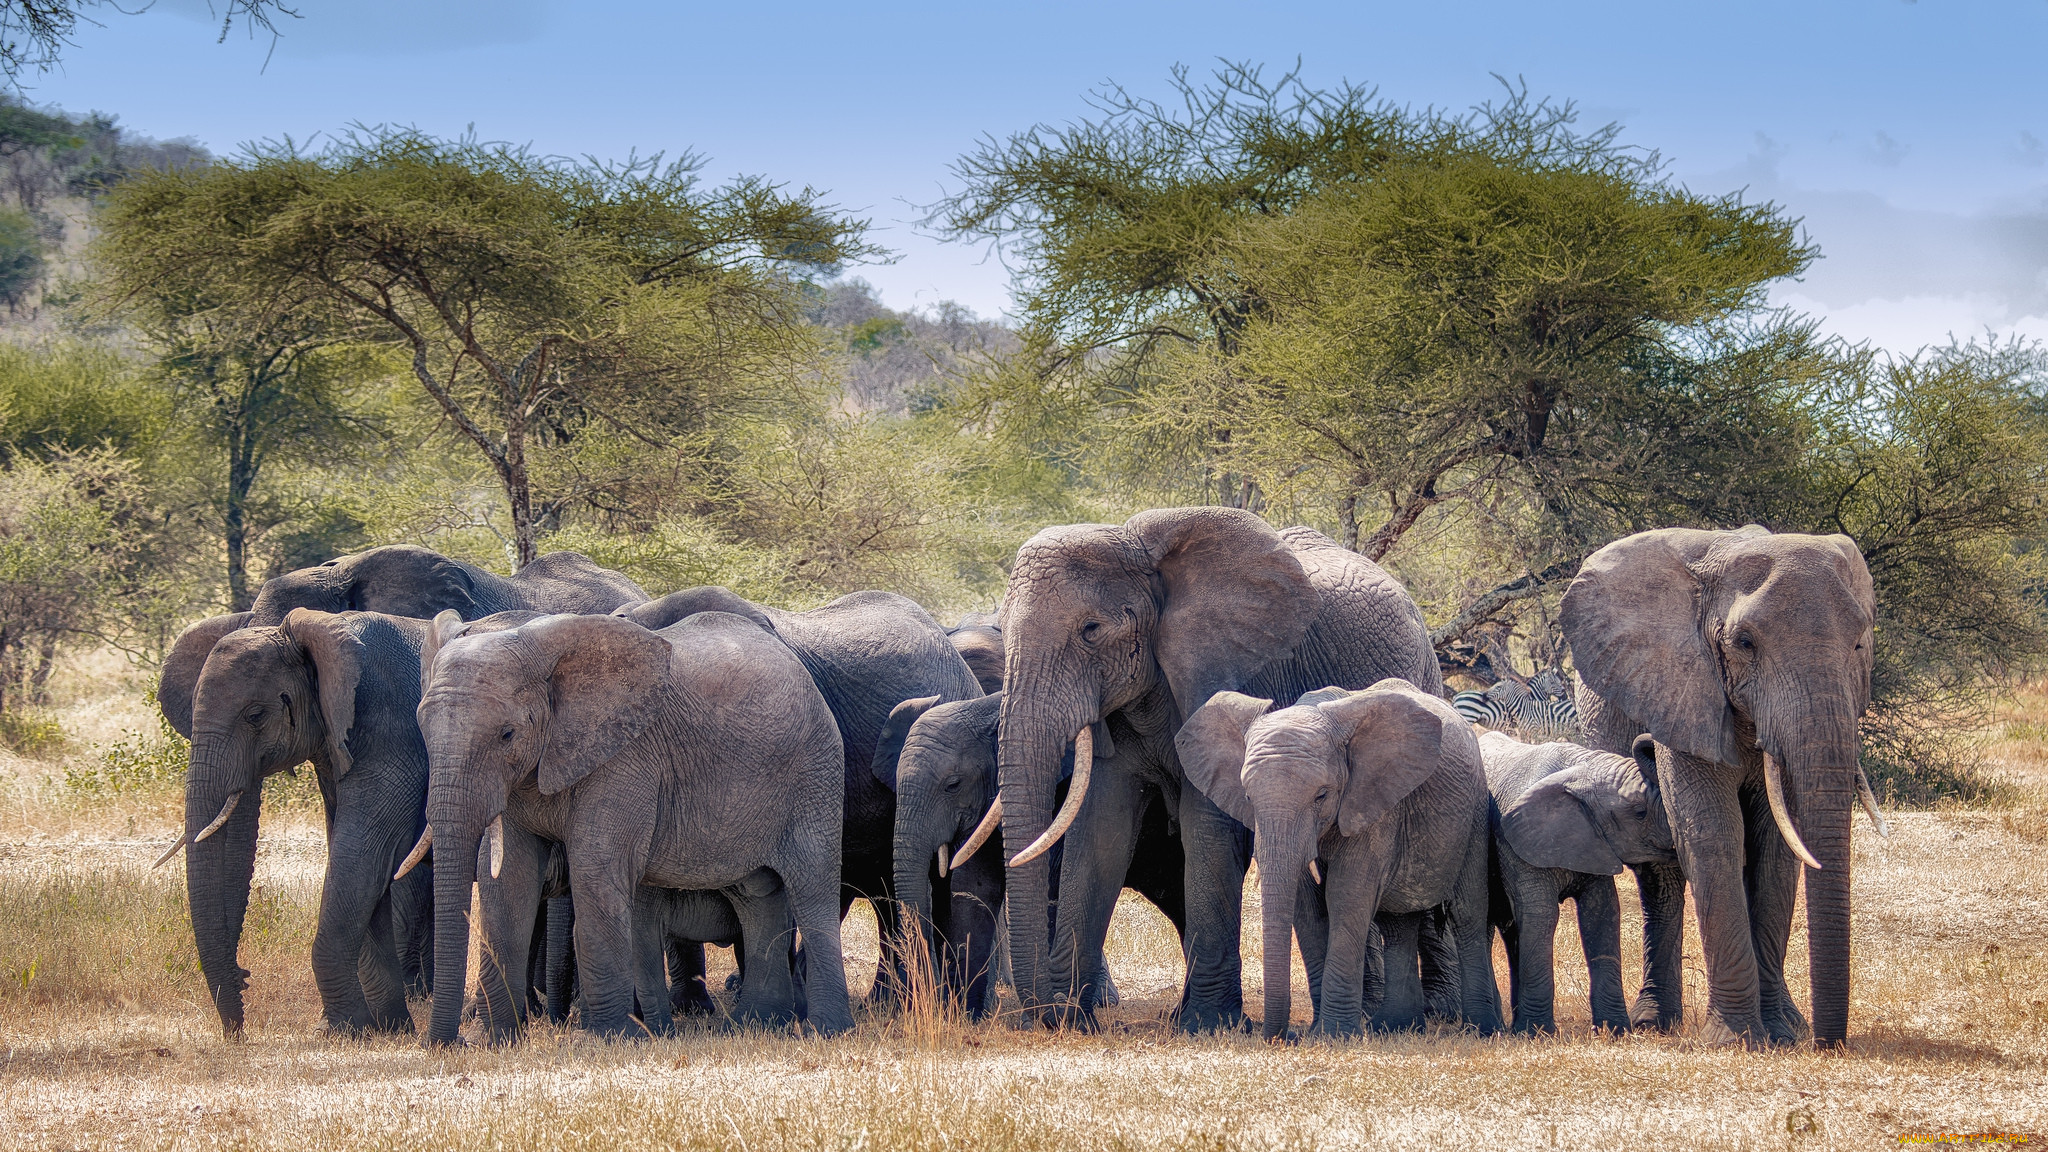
[{"x": 1911, "y": 137}]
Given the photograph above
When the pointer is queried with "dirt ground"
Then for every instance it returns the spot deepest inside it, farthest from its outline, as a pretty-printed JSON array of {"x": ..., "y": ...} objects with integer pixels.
[{"x": 106, "y": 1040}]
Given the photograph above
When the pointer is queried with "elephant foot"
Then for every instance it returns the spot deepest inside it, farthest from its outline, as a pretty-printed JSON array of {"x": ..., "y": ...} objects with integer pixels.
[
  {"x": 1067, "y": 1016},
  {"x": 1650, "y": 1014},
  {"x": 1286, "y": 1037},
  {"x": 1719, "y": 1033},
  {"x": 691, "y": 998},
  {"x": 1533, "y": 1028},
  {"x": 1612, "y": 1025},
  {"x": 1195, "y": 1020},
  {"x": 1786, "y": 1026}
]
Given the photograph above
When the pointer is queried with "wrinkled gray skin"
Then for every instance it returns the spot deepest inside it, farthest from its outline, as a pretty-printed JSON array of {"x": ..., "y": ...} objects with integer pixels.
[
  {"x": 1565, "y": 821},
  {"x": 688, "y": 758},
  {"x": 665, "y": 918},
  {"x": 1738, "y": 650},
  {"x": 338, "y": 690},
  {"x": 1384, "y": 787},
  {"x": 980, "y": 643},
  {"x": 867, "y": 653},
  {"x": 940, "y": 759},
  {"x": 1147, "y": 620}
]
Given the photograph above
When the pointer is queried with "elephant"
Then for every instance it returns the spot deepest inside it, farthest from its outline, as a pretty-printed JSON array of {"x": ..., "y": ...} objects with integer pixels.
[
  {"x": 1379, "y": 798},
  {"x": 1148, "y": 620},
  {"x": 664, "y": 918},
  {"x": 867, "y": 653},
  {"x": 1565, "y": 821},
  {"x": 338, "y": 689},
  {"x": 980, "y": 643},
  {"x": 688, "y": 758},
  {"x": 398, "y": 580},
  {"x": 1747, "y": 655},
  {"x": 940, "y": 760}
]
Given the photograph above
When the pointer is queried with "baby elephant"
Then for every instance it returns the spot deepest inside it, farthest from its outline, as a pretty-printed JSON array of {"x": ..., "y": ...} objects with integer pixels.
[
  {"x": 1384, "y": 790},
  {"x": 1565, "y": 820}
]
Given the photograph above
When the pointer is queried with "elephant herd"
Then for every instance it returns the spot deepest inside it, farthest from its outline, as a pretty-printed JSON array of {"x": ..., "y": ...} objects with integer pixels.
[{"x": 618, "y": 781}]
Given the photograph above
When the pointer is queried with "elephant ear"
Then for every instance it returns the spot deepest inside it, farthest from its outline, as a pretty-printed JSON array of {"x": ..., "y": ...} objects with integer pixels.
[
  {"x": 896, "y": 729},
  {"x": 1636, "y": 620},
  {"x": 1211, "y": 748},
  {"x": 180, "y": 679},
  {"x": 1549, "y": 826},
  {"x": 444, "y": 628},
  {"x": 337, "y": 658},
  {"x": 1392, "y": 743},
  {"x": 1857, "y": 575},
  {"x": 655, "y": 615},
  {"x": 405, "y": 580},
  {"x": 603, "y": 673},
  {"x": 1236, "y": 598}
]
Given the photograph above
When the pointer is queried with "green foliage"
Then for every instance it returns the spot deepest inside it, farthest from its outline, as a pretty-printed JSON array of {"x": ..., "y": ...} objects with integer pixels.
[
  {"x": 138, "y": 763},
  {"x": 74, "y": 397},
  {"x": 21, "y": 257},
  {"x": 31, "y": 734}
]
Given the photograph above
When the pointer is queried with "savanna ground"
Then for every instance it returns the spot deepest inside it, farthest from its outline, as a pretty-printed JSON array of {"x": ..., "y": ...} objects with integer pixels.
[{"x": 106, "y": 1039}]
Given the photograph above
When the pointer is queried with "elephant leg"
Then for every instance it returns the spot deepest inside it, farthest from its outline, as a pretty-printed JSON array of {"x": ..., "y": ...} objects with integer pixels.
[
  {"x": 972, "y": 927},
  {"x": 512, "y": 909},
  {"x": 604, "y": 877},
  {"x": 650, "y": 960},
  {"x": 559, "y": 967},
  {"x": 1772, "y": 883},
  {"x": 1442, "y": 983},
  {"x": 1312, "y": 936},
  {"x": 412, "y": 926},
  {"x": 1535, "y": 971},
  {"x": 1599, "y": 911},
  {"x": 1403, "y": 1007},
  {"x": 361, "y": 856},
  {"x": 808, "y": 879},
  {"x": 1661, "y": 1004},
  {"x": 688, "y": 995},
  {"x": 1464, "y": 925},
  {"x": 1095, "y": 858},
  {"x": 382, "y": 972},
  {"x": 767, "y": 992},
  {"x": 1706, "y": 822},
  {"x": 1340, "y": 1007},
  {"x": 1219, "y": 851}
]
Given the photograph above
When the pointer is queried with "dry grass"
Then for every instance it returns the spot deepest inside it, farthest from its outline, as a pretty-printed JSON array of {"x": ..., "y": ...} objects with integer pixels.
[{"x": 109, "y": 1042}]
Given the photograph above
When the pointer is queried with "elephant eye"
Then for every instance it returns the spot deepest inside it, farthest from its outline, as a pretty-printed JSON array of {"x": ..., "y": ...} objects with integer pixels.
[
  {"x": 1743, "y": 641},
  {"x": 507, "y": 734},
  {"x": 953, "y": 785},
  {"x": 254, "y": 717},
  {"x": 1090, "y": 631}
]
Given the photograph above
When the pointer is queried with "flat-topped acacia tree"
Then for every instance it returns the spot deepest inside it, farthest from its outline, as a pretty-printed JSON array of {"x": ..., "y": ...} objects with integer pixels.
[{"x": 522, "y": 287}]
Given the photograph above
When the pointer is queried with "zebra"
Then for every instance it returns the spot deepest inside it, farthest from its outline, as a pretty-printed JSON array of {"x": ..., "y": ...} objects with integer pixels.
[{"x": 1509, "y": 706}]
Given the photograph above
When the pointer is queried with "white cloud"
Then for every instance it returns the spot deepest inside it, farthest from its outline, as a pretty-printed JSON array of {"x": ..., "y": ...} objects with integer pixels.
[{"x": 1905, "y": 324}]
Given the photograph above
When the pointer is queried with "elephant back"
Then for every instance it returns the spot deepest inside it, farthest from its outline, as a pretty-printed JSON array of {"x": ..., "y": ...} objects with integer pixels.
[
  {"x": 569, "y": 582},
  {"x": 1366, "y": 627}
]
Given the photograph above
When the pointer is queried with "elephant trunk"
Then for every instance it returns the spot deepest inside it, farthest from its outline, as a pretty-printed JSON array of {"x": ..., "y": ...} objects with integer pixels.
[
  {"x": 1826, "y": 802},
  {"x": 1284, "y": 851},
  {"x": 219, "y": 868},
  {"x": 1028, "y": 762},
  {"x": 915, "y": 849},
  {"x": 455, "y": 842}
]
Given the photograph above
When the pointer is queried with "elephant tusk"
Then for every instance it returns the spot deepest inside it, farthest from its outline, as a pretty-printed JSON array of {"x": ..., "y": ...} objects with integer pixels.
[
  {"x": 165, "y": 858},
  {"x": 982, "y": 831},
  {"x": 1314, "y": 872},
  {"x": 1869, "y": 800},
  {"x": 497, "y": 834},
  {"x": 1084, "y": 766},
  {"x": 419, "y": 852},
  {"x": 226, "y": 810},
  {"x": 942, "y": 860},
  {"x": 1774, "y": 788}
]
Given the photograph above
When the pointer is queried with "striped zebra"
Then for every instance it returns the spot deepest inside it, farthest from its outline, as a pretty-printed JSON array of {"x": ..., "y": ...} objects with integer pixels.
[{"x": 1509, "y": 706}]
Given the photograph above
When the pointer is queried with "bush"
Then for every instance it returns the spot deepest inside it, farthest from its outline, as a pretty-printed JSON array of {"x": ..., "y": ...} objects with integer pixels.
[
  {"x": 31, "y": 733},
  {"x": 144, "y": 762}
]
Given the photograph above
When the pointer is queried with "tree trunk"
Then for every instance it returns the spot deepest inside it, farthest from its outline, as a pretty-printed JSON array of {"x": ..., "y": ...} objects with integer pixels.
[{"x": 241, "y": 481}]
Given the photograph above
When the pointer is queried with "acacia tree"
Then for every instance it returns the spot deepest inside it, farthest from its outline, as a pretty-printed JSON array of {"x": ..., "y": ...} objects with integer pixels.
[{"x": 535, "y": 298}]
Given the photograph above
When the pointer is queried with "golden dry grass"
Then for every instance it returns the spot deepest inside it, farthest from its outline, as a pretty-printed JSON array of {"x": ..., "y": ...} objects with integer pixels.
[{"x": 108, "y": 1043}]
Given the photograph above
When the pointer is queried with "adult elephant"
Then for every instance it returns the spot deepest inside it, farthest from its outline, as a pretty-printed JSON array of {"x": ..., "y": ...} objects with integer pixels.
[
  {"x": 867, "y": 652},
  {"x": 980, "y": 643},
  {"x": 698, "y": 757},
  {"x": 339, "y": 690},
  {"x": 1146, "y": 620},
  {"x": 1747, "y": 654},
  {"x": 397, "y": 580}
]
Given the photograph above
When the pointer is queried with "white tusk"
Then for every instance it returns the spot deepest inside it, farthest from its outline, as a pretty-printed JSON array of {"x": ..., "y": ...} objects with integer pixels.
[
  {"x": 183, "y": 840},
  {"x": 982, "y": 831},
  {"x": 1314, "y": 872},
  {"x": 418, "y": 853},
  {"x": 1869, "y": 799},
  {"x": 942, "y": 860},
  {"x": 1774, "y": 788},
  {"x": 1084, "y": 766},
  {"x": 226, "y": 810},
  {"x": 497, "y": 834}
]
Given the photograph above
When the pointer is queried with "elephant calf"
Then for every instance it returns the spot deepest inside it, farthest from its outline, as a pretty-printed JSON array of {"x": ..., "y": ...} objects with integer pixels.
[
  {"x": 1565, "y": 820},
  {"x": 1384, "y": 786}
]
